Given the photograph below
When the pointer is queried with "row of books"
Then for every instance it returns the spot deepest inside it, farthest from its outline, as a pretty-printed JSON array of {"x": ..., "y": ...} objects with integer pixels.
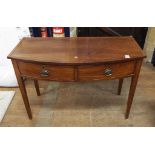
[{"x": 49, "y": 31}]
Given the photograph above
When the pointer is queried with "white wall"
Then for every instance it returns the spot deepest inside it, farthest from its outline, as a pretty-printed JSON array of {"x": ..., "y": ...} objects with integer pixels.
[{"x": 9, "y": 37}]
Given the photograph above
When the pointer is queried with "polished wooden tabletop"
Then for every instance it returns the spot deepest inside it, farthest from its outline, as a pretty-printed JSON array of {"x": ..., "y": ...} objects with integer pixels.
[
  {"x": 67, "y": 59},
  {"x": 79, "y": 50}
]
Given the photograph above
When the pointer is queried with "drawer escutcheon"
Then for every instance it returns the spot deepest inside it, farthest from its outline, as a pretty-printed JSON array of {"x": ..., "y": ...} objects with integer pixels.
[
  {"x": 108, "y": 72},
  {"x": 44, "y": 72}
]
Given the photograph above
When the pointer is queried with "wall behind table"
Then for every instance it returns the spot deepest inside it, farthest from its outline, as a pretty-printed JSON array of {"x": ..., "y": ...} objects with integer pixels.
[{"x": 9, "y": 38}]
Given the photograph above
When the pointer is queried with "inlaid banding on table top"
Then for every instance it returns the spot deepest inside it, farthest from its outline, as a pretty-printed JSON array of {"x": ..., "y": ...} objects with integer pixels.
[{"x": 77, "y": 50}]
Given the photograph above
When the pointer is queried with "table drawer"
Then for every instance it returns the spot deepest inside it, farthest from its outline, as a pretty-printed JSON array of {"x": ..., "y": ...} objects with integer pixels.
[
  {"x": 46, "y": 72},
  {"x": 109, "y": 71}
]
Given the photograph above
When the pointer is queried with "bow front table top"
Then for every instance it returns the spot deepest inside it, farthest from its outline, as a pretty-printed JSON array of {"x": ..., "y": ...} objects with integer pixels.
[{"x": 77, "y": 59}]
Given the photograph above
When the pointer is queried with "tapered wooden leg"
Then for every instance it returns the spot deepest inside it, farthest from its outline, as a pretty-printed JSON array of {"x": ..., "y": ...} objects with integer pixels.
[
  {"x": 133, "y": 85},
  {"x": 120, "y": 86},
  {"x": 37, "y": 87},
  {"x": 22, "y": 89},
  {"x": 24, "y": 95}
]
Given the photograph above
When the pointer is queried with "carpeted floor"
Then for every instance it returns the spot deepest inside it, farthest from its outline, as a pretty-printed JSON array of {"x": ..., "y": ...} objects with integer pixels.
[
  {"x": 85, "y": 104},
  {"x": 5, "y": 101}
]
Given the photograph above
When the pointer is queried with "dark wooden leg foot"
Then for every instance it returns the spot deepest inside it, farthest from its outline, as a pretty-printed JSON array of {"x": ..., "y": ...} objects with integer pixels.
[
  {"x": 25, "y": 98},
  {"x": 131, "y": 95},
  {"x": 22, "y": 90},
  {"x": 37, "y": 87},
  {"x": 133, "y": 85},
  {"x": 120, "y": 86}
]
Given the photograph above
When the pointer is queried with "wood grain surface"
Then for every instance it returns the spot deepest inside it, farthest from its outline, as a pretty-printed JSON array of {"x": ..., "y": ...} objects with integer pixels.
[
  {"x": 83, "y": 50},
  {"x": 77, "y": 59},
  {"x": 97, "y": 72}
]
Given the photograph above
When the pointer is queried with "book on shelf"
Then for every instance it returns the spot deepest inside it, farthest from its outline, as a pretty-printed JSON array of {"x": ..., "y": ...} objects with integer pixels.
[
  {"x": 58, "y": 32},
  {"x": 67, "y": 31},
  {"x": 35, "y": 31},
  {"x": 50, "y": 31},
  {"x": 31, "y": 31},
  {"x": 43, "y": 31}
]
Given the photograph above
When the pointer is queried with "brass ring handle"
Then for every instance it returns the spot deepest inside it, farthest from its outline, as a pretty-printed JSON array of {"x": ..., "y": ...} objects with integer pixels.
[
  {"x": 44, "y": 73},
  {"x": 107, "y": 72}
]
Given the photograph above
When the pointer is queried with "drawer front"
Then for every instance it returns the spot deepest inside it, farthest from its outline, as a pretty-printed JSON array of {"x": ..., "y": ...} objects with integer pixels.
[
  {"x": 109, "y": 71},
  {"x": 46, "y": 72}
]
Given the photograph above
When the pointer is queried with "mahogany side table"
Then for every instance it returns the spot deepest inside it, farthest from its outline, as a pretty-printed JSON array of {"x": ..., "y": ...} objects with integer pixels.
[{"x": 77, "y": 59}]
